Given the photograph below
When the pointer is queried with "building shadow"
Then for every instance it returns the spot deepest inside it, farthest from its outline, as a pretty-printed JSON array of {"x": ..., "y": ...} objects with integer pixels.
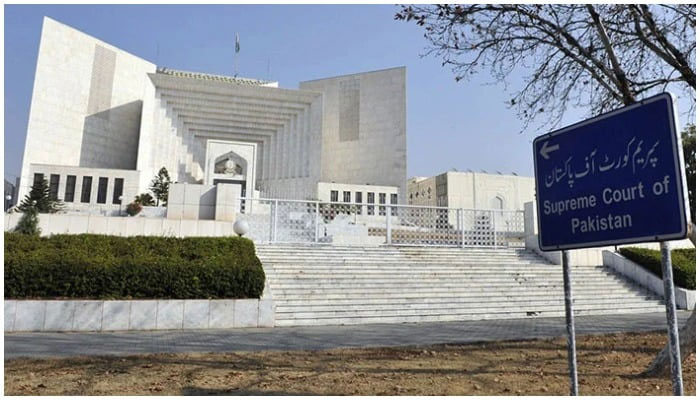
[{"x": 111, "y": 137}]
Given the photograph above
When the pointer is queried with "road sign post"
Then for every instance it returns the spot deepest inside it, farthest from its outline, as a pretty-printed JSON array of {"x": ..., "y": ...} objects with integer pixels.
[
  {"x": 570, "y": 328},
  {"x": 673, "y": 341},
  {"x": 614, "y": 179}
]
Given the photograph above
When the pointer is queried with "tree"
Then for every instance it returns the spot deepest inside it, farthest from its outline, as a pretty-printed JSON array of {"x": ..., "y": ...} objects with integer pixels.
[
  {"x": 39, "y": 199},
  {"x": 145, "y": 199},
  {"x": 595, "y": 56},
  {"x": 160, "y": 186},
  {"x": 29, "y": 223},
  {"x": 688, "y": 136}
]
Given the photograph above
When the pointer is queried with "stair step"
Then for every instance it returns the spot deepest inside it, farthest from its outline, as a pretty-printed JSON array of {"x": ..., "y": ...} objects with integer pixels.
[
  {"x": 444, "y": 307},
  {"x": 383, "y": 319}
]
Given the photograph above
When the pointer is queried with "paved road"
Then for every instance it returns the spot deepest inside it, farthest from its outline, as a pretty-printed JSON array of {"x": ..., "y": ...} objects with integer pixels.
[{"x": 44, "y": 345}]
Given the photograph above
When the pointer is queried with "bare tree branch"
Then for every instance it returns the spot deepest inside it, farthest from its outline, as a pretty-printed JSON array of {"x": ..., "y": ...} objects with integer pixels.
[{"x": 565, "y": 55}]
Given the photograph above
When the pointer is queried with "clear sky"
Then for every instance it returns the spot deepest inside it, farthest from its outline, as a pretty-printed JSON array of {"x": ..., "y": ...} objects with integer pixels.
[{"x": 462, "y": 125}]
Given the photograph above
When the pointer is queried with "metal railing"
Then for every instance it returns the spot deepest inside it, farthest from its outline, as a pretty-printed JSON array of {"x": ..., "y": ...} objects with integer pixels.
[{"x": 303, "y": 221}]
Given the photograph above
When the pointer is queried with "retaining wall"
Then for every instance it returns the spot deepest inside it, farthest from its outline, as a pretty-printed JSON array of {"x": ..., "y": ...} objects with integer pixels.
[
  {"x": 136, "y": 315},
  {"x": 685, "y": 299},
  {"x": 52, "y": 224}
]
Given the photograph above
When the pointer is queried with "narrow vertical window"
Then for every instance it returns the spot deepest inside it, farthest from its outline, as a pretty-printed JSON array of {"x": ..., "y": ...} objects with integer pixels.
[
  {"x": 53, "y": 186},
  {"x": 38, "y": 178},
  {"x": 394, "y": 200},
  {"x": 334, "y": 195},
  {"x": 346, "y": 197},
  {"x": 370, "y": 200},
  {"x": 87, "y": 188},
  {"x": 70, "y": 189},
  {"x": 118, "y": 190},
  {"x": 102, "y": 190},
  {"x": 382, "y": 200}
]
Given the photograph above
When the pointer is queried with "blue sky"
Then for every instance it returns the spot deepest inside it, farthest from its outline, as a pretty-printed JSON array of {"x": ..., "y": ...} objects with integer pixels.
[{"x": 462, "y": 125}]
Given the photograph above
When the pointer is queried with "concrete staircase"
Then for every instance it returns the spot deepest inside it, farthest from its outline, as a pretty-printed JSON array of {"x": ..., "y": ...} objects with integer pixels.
[{"x": 331, "y": 285}]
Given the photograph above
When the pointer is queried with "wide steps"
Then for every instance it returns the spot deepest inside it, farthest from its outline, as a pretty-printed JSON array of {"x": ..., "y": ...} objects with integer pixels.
[{"x": 322, "y": 285}]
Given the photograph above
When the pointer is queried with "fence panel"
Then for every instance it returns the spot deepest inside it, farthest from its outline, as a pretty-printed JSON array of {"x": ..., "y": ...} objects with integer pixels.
[{"x": 296, "y": 221}]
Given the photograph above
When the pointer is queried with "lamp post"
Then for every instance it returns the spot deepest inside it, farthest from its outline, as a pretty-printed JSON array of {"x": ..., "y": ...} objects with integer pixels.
[
  {"x": 120, "y": 205},
  {"x": 8, "y": 198}
]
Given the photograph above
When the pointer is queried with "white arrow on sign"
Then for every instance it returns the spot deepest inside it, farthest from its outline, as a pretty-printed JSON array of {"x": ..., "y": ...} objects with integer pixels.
[{"x": 544, "y": 151}]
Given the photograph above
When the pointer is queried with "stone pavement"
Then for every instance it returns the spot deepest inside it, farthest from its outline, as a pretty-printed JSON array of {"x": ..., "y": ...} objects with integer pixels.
[{"x": 44, "y": 345}]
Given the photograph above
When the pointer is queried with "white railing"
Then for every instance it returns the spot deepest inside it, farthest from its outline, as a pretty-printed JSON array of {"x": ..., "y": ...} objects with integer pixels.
[{"x": 303, "y": 221}]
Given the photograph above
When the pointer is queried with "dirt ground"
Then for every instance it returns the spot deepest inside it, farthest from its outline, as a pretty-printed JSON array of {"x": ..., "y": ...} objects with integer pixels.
[{"x": 608, "y": 365}]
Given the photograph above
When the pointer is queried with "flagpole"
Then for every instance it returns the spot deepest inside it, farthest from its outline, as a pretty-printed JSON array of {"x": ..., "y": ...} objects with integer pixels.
[{"x": 236, "y": 49}]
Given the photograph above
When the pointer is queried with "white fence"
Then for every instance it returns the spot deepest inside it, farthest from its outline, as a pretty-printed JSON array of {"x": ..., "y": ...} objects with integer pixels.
[{"x": 298, "y": 221}]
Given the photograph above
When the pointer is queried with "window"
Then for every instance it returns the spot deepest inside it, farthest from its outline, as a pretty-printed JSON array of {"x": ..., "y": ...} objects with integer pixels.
[
  {"x": 53, "y": 186},
  {"x": 118, "y": 189},
  {"x": 334, "y": 195},
  {"x": 87, "y": 188},
  {"x": 38, "y": 178},
  {"x": 358, "y": 200},
  {"x": 70, "y": 189},
  {"x": 102, "y": 190},
  {"x": 382, "y": 200},
  {"x": 346, "y": 197},
  {"x": 394, "y": 200},
  {"x": 370, "y": 200}
]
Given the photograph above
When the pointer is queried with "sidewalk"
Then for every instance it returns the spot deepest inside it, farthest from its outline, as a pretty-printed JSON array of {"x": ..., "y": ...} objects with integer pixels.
[{"x": 44, "y": 345}]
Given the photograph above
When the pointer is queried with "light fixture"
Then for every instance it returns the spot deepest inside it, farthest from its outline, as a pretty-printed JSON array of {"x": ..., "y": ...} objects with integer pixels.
[{"x": 240, "y": 227}]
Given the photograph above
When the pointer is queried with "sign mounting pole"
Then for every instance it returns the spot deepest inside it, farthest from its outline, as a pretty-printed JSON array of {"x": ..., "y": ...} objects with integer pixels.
[
  {"x": 598, "y": 181},
  {"x": 570, "y": 329},
  {"x": 673, "y": 342}
]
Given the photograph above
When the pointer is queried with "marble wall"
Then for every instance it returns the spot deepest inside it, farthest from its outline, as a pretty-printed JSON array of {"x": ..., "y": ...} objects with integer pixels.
[{"x": 86, "y": 103}]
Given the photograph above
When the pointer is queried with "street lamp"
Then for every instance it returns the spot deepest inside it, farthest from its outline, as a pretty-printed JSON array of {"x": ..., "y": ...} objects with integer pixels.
[
  {"x": 240, "y": 227},
  {"x": 120, "y": 205},
  {"x": 8, "y": 198}
]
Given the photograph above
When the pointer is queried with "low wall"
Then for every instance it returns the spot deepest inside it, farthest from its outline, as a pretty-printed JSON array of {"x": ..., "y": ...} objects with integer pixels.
[
  {"x": 685, "y": 299},
  {"x": 136, "y": 315},
  {"x": 52, "y": 224}
]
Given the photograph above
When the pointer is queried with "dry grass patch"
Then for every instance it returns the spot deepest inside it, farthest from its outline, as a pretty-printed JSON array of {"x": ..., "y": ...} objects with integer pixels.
[{"x": 608, "y": 365}]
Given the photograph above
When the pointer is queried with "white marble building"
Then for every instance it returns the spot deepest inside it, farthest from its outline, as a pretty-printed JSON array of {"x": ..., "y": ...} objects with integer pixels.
[
  {"x": 103, "y": 122},
  {"x": 472, "y": 190}
]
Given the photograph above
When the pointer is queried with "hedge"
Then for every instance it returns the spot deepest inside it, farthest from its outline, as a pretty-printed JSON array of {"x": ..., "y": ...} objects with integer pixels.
[
  {"x": 683, "y": 261},
  {"x": 140, "y": 267}
]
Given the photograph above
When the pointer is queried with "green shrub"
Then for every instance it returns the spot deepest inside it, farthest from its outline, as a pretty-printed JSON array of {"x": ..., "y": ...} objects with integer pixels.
[
  {"x": 142, "y": 267},
  {"x": 683, "y": 261},
  {"x": 133, "y": 208}
]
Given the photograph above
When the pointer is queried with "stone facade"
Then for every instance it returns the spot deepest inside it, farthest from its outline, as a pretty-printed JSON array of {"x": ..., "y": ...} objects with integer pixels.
[
  {"x": 86, "y": 104},
  {"x": 472, "y": 190},
  {"x": 96, "y": 106},
  {"x": 364, "y": 128}
]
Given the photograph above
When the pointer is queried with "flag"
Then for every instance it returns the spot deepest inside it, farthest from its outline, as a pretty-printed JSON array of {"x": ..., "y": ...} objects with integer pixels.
[{"x": 238, "y": 44}]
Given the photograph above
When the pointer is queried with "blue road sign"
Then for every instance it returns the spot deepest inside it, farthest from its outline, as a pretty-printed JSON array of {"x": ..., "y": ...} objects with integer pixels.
[{"x": 613, "y": 179}]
